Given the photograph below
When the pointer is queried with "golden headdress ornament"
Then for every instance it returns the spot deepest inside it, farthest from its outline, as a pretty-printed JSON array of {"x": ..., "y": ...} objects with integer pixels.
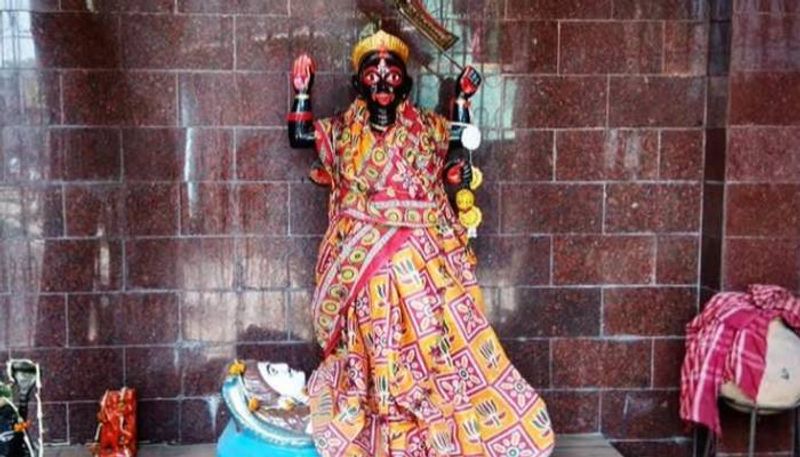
[{"x": 379, "y": 41}]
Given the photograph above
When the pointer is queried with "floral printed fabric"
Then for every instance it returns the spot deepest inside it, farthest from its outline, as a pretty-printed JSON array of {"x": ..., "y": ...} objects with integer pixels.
[
  {"x": 389, "y": 179},
  {"x": 383, "y": 183},
  {"x": 413, "y": 367}
]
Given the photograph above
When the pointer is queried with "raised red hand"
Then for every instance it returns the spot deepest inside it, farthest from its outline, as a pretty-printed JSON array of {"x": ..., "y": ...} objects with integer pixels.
[
  {"x": 319, "y": 175},
  {"x": 468, "y": 81},
  {"x": 303, "y": 74}
]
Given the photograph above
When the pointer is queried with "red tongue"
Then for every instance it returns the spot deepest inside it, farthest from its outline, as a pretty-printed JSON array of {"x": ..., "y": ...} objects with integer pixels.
[{"x": 383, "y": 99}]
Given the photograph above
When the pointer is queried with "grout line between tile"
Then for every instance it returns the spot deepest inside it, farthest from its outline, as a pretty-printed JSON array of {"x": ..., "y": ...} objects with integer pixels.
[
  {"x": 654, "y": 270},
  {"x": 558, "y": 47},
  {"x": 663, "y": 47},
  {"x": 235, "y": 45},
  {"x": 608, "y": 103},
  {"x": 600, "y": 412},
  {"x": 66, "y": 321},
  {"x": 63, "y": 189},
  {"x": 554, "y": 159},
  {"x": 66, "y": 412},
  {"x": 178, "y": 121},
  {"x": 289, "y": 210},
  {"x": 603, "y": 209},
  {"x": 552, "y": 259},
  {"x": 659, "y": 145},
  {"x": 286, "y": 314},
  {"x": 653, "y": 363},
  {"x": 121, "y": 197},
  {"x": 602, "y": 332},
  {"x": 551, "y": 364},
  {"x": 61, "y": 115}
]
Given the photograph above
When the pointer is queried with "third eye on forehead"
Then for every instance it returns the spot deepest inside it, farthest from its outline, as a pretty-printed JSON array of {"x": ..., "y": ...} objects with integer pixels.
[{"x": 373, "y": 73}]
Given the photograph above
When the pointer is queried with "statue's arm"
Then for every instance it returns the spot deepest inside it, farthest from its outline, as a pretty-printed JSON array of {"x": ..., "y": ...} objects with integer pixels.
[
  {"x": 457, "y": 168},
  {"x": 300, "y": 119},
  {"x": 467, "y": 84}
]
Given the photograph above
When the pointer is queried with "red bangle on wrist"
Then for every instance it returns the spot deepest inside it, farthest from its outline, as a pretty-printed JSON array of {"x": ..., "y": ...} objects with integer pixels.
[
  {"x": 453, "y": 175},
  {"x": 300, "y": 116}
]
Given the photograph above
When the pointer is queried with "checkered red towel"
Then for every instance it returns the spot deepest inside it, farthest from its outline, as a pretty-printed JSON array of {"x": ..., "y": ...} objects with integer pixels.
[{"x": 728, "y": 341}]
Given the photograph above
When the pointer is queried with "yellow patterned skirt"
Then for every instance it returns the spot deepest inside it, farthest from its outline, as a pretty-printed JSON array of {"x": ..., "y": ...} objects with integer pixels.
[{"x": 420, "y": 372}]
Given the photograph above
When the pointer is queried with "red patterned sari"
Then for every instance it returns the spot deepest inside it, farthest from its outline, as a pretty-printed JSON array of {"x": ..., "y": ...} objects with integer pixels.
[{"x": 411, "y": 367}]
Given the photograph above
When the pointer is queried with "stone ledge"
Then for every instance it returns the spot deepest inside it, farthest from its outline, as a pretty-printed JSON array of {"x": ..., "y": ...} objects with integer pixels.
[
  {"x": 584, "y": 446},
  {"x": 568, "y": 446}
]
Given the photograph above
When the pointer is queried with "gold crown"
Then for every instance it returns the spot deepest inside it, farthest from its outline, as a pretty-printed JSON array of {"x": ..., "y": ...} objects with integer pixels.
[{"x": 379, "y": 41}]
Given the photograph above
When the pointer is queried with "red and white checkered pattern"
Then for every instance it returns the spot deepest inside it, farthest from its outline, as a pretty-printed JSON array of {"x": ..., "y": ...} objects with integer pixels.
[{"x": 728, "y": 342}]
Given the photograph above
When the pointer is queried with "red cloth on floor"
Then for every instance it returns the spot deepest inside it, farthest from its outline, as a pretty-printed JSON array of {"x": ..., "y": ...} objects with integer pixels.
[{"x": 728, "y": 342}]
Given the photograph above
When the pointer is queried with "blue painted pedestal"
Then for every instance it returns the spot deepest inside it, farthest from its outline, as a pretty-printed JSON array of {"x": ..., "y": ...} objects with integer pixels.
[{"x": 234, "y": 443}]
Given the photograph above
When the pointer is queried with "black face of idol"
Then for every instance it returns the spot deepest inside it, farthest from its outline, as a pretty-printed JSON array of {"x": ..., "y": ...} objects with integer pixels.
[{"x": 383, "y": 82}]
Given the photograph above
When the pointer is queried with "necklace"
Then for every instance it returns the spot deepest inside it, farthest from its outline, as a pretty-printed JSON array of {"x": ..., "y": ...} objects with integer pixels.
[{"x": 380, "y": 128}]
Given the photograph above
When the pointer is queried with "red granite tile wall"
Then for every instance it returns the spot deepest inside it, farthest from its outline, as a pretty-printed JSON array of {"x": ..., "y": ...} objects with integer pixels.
[
  {"x": 762, "y": 228},
  {"x": 155, "y": 224},
  {"x": 718, "y": 68},
  {"x": 598, "y": 166},
  {"x": 761, "y": 225}
]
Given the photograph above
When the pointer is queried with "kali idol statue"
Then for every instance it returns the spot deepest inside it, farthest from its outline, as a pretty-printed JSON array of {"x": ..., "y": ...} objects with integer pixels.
[{"x": 411, "y": 366}]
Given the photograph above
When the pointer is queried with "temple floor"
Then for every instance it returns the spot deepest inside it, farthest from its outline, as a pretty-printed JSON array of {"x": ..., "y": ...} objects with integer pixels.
[{"x": 567, "y": 446}]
